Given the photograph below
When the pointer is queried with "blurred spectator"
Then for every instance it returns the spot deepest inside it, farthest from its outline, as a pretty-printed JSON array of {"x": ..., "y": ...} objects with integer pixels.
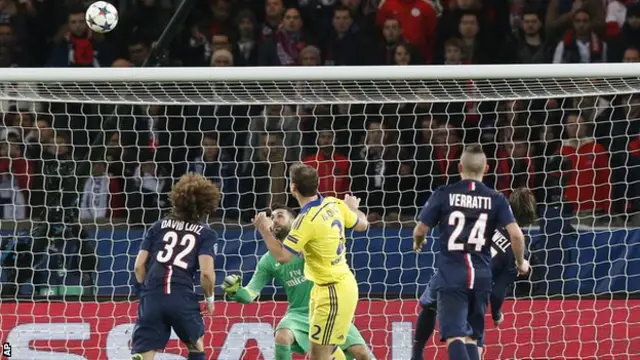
[
  {"x": 138, "y": 51},
  {"x": 310, "y": 56},
  {"x": 631, "y": 55},
  {"x": 220, "y": 41},
  {"x": 274, "y": 14},
  {"x": 333, "y": 167},
  {"x": 588, "y": 180},
  {"x": 217, "y": 166},
  {"x": 368, "y": 170},
  {"x": 147, "y": 192},
  {"x": 278, "y": 118},
  {"x": 527, "y": 44},
  {"x": 101, "y": 198},
  {"x": 581, "y": 44},
  {"x": 561, "y": 15},
  {"x": 58, "y": 189},
  {"x": 146, "y": 18},
  {"x": 391, "y": 37},
  {"x": 454, "y": 51},
  {"x": 264, "y": 183},
  {"x": 12, "y": 53},
  {"x": 216, "y": 16},
  {"x": 376, "y": 175},
  {"x": 513, "y": 167},
  {"x": 222, "y": 57},
  {"x": 476, "y": 48},
  {"x": 114, "y": 158},
  {"x": 346, "y": 44},
  {"x": 629, "y": 34},
  {"x": 435, "y": 161},
  {"x": 447, "y": 148},
  {"x": 363, "y": 13},
  {"x": 418, "y": 20},
  {"x": 402, "y": 55},
  {"x": 283, "y": 48},
  {"x": 121, "y": 63},
  {"x": 77, "y": 46},
  {"x": 15, "y": 176},
  {"x": 245, "y": 50}
]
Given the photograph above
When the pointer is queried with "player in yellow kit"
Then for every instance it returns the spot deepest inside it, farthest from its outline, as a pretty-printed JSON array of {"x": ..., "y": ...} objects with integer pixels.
[{"x": 318, "y": 234}]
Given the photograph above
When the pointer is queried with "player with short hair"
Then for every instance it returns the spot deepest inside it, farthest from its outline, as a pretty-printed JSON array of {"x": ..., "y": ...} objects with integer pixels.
[
  {"x": 467, "y": 214},
  {"x": 171, "y": 252},
  {"x": 523, "y": 204},
  {"x": 318, "y": 233},
  {"x": 292, "y": 332}
]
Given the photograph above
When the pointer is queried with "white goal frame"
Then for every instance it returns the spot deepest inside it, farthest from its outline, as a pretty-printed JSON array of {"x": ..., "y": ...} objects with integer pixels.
[
  {"x": 263, "y": 85},
  {"x": 321, "y": 85}
]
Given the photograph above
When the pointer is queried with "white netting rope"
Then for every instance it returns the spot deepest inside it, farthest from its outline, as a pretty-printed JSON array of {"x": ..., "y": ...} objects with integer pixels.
[{"x": 387, "y": 131}]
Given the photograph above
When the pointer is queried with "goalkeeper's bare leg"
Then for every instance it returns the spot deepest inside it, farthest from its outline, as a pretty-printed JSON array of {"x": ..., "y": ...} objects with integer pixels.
[{"x": 284, "y": 339}]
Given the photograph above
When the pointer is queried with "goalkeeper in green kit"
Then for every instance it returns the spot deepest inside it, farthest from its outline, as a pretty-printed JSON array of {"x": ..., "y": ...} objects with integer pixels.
[{"x": 292, "y": 333}]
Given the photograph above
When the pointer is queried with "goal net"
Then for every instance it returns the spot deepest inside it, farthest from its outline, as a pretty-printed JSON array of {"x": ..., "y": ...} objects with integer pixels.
[{"x": 89, "y": 156}]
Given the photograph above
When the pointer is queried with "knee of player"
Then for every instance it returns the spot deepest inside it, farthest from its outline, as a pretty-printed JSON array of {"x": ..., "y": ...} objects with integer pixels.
[
  {"x": 358, "y": 352},
  {"x": 430, "y": 307},
  {"x": 197, "y": 347},
  {"x": 284, "y": 337},
  {"x": 463, "y": 339}
]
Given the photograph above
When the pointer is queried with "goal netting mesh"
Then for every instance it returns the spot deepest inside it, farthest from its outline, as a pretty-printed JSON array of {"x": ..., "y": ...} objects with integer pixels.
[{"x": 88, "y": 157}]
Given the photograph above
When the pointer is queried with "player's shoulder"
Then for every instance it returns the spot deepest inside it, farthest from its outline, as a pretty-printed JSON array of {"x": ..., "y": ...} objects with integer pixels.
[
  {"x": 309, "y": 211},
  {"x": 267, "y": 261},
  {"x": 157, "y": 225}
]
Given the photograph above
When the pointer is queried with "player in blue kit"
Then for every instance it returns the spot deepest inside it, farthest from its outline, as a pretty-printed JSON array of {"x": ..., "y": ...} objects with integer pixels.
[
  {"x": 523, "y": 204},
  {"x": 467, "y": 214},
  {"x": 171, "y": 253}
]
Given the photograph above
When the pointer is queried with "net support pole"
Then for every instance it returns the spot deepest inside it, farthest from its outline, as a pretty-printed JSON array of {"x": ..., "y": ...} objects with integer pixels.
[{"x": 153, "y": 59}]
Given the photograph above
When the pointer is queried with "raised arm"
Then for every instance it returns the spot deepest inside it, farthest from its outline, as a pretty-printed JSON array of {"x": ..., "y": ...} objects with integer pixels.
[{"x": 354, "y": 218}]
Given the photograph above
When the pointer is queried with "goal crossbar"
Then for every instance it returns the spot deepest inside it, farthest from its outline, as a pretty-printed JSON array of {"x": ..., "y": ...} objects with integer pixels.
[{"x": 316, "y": 85}]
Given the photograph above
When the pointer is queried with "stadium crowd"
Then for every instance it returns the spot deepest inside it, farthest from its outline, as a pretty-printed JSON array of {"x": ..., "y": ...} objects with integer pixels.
[{"x": 582, "y": 153}]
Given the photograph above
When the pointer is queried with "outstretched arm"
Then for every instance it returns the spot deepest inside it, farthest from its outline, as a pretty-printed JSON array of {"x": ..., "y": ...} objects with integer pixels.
[{"x": 247, "y": 294}]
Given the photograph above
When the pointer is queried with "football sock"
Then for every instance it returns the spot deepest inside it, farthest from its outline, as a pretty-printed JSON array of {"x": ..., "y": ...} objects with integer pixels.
[
  {"x": 338, "y": 354},
  {"x": 472, "y": 351},
  {"x": 458, "y": 351},
  {"x": 424, "y": 328},
  {"x": 283, "y": 352},
  {"x": 195, "y": 356}
]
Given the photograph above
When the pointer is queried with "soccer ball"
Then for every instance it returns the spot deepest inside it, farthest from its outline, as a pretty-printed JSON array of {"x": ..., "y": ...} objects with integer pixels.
[{"x": 102, "y": 17}]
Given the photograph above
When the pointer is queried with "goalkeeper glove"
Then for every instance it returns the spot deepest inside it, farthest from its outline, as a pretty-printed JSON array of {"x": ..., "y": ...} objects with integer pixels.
[{"x": 231, "y": 284}]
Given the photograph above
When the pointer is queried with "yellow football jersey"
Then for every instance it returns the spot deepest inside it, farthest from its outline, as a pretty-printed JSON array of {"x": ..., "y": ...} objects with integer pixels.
[{"x": 319, "y": 234}]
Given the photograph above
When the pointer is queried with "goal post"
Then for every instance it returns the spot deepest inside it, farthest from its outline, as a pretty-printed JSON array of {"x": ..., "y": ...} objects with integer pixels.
[{"x": 389, "y": 134}]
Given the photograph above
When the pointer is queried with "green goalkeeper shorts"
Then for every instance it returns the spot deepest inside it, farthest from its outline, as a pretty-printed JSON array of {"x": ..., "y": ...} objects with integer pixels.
[{"x": 298, "y": 324}]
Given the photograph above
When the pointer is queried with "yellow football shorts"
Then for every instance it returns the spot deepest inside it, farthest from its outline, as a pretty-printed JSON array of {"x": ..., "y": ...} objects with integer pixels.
[{"x": 331, "y": 311}]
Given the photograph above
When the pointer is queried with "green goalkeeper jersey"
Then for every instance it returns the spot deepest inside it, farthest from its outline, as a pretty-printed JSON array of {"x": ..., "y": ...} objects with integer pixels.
[{"x": 289, "y": 275}]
